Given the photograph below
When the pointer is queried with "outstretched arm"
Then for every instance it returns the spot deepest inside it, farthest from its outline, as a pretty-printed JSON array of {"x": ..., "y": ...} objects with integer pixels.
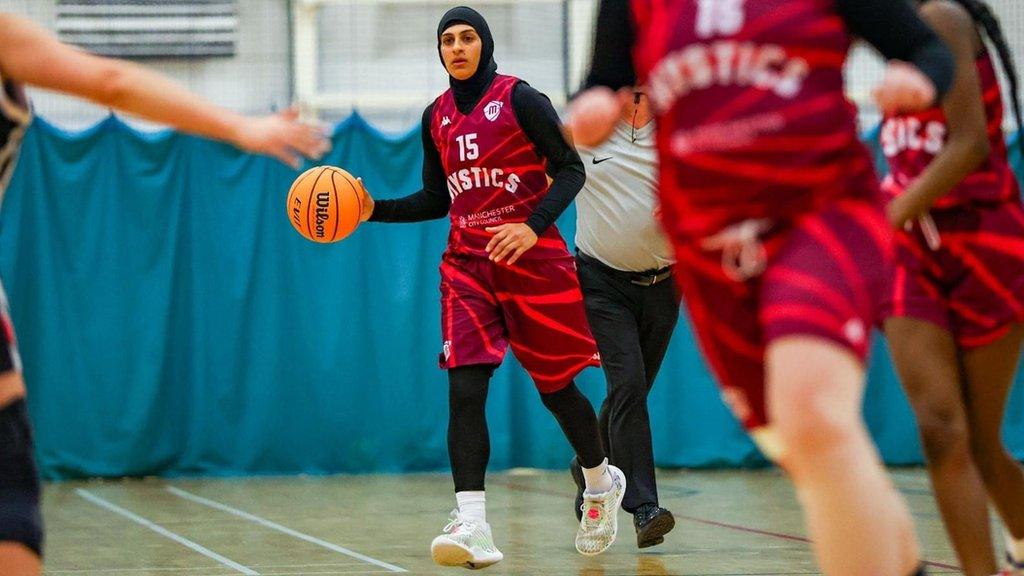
[
  {"x": 431, "y": 202},
  {"x": 33, "y": 56}
]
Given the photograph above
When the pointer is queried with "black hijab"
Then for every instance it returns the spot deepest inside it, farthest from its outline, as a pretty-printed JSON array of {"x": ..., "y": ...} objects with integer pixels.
[{"x": 469, "y": 91}]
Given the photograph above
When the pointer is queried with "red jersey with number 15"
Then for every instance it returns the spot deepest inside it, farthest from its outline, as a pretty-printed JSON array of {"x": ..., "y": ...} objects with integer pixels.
[
  {"x": 752, "y": 119},
  {"x": 495, "y": 173},
  {"x": 910, "y": 142}
]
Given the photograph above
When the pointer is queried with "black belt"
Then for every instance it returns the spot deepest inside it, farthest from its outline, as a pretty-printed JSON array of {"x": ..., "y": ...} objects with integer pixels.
[{"x": 645, "y": 278}]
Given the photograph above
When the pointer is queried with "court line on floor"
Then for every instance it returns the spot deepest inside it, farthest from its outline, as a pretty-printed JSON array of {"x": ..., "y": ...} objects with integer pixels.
[
  {"x": 792, "y": 537},
  {"x": 165, "y": 532},
  {"x": 263, "y": 567},
  {"x": 204, "y": 571},
  {"x": 275, "y": 526}
]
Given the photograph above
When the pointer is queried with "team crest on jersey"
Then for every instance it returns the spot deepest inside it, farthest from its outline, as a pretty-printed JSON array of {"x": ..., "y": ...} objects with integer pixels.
[{"x": 492, "y": 110}]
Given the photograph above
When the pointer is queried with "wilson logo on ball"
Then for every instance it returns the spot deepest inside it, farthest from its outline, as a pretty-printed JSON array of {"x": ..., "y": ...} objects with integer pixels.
[{"x": 325, "y": 203}]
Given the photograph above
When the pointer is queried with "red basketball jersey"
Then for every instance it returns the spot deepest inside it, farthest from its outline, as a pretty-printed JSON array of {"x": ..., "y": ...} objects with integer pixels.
[
  {"x": 495, "y": 174},
  {"x": 752, "y": 118},
  {"x": 911, "y": 141}
]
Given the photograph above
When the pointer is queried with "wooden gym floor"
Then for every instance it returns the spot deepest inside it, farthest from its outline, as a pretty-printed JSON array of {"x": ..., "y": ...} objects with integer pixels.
[{"x": 728, "y": 523}]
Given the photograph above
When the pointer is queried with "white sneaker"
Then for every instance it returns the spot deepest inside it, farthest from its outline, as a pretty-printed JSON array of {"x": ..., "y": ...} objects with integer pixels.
[
  {"x": 465, "y": 543},
  {"x": 600, "y": 522},
  {"x": 1013, "y": 568}
]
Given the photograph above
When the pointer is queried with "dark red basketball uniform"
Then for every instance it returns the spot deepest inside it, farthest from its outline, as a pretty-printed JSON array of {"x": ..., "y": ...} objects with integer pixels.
[
  {"x": 973, "y": 285},
  {"x": 753, "y": 124},
  {"x": 496, "y": 176}
]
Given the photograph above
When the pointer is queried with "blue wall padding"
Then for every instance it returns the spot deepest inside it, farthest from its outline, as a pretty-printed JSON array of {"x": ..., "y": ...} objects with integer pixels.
[{"x": 172, "y": 322}]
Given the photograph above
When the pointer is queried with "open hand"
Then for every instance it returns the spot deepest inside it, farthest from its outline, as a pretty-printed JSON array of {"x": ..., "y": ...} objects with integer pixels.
[
  {"x": 510, "y": 240},
  {"x": 283, "y": 136}
]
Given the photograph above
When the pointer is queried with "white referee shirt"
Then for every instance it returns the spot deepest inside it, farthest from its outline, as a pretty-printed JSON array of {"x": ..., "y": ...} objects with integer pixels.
[{"x": 614, "y": 211}]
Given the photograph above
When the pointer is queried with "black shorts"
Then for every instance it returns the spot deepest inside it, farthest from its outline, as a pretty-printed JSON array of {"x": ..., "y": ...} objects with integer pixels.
[{"x": 20, "y": 518}]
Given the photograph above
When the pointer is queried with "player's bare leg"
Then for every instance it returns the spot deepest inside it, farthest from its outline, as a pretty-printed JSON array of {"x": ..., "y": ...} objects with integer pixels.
[
  {"x": 17, "y": 560},
  {"x": 928, "y": 363},
  {"x": 989, "y": 372},
  {"x": 857, "y": 521}
]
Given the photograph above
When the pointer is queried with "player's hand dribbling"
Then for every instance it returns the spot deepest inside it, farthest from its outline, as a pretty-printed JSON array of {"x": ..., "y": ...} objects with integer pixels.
[
  {"x": 367, "y": 202},
  {"x": 510, "y": 240},
  {"x": 282, "y": 136}
]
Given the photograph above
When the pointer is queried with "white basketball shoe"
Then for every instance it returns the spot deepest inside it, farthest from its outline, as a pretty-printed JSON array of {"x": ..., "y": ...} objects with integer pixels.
[
  {"x": 600, "y": 522},
  {"x": 465, "y": 543}
]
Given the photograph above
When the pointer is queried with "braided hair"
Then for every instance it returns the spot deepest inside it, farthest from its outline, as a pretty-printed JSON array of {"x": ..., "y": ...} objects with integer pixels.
[{"x": 982, "y": 14}]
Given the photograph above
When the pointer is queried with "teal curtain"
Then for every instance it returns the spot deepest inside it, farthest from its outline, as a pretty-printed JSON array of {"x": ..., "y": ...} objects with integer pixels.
[{"x": 172, "y": 322}]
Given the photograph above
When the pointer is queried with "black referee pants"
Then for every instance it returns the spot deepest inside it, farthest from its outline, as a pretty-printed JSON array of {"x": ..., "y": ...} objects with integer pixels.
[{"x": 632, "y": 325}]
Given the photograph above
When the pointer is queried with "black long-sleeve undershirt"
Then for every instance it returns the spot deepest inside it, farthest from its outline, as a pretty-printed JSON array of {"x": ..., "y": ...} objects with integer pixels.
[
  {"x": 892, "y": 27},
  {"x": 540, "y": 122},
  {"x": 430, "y": 202}
]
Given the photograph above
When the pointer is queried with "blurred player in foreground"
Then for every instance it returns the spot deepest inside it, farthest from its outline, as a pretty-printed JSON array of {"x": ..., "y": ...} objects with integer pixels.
[
  {"x": 776, "y": 218},
  {"x": 30, "y": 56}
]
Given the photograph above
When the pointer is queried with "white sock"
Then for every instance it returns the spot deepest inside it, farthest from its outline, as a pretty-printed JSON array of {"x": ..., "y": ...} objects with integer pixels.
[
  {"x": 1014, "y": 547},
  {"x": 598, "y": 478},
  {"x": 472, "y": 505}
]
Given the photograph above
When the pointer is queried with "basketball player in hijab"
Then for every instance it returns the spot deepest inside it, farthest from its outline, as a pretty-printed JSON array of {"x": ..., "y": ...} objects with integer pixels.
[
  {"x": 490, "y": 142},
  {"x": 30, "y": 56}
]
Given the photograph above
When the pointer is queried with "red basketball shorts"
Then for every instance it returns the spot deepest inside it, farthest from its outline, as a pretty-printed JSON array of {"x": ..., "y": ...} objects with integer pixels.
[
  {"x": 826, "y": 276},
  {"x": 973, "y": 285},
  {"x": 535, "y": 306}
]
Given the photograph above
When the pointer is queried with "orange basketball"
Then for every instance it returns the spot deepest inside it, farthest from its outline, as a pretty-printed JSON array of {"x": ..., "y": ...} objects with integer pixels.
[{"x": 324, "y": 204}]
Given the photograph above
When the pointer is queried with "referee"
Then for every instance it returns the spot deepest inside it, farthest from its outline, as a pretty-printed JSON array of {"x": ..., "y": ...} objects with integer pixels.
[{"x": 625, "y": 271}]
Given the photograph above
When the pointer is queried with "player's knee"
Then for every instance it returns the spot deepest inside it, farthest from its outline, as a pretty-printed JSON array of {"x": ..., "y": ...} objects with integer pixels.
[
  {"x": 808, "y": 423},
  {"x": 813, "y": 396},
  {"x": 467, "y": 386},
  {"x": 464, "y": 397}
]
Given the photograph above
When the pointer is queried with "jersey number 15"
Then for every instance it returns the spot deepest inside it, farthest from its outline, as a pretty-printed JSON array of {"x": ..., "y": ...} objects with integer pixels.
[{"x": 468, "y": 148}]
